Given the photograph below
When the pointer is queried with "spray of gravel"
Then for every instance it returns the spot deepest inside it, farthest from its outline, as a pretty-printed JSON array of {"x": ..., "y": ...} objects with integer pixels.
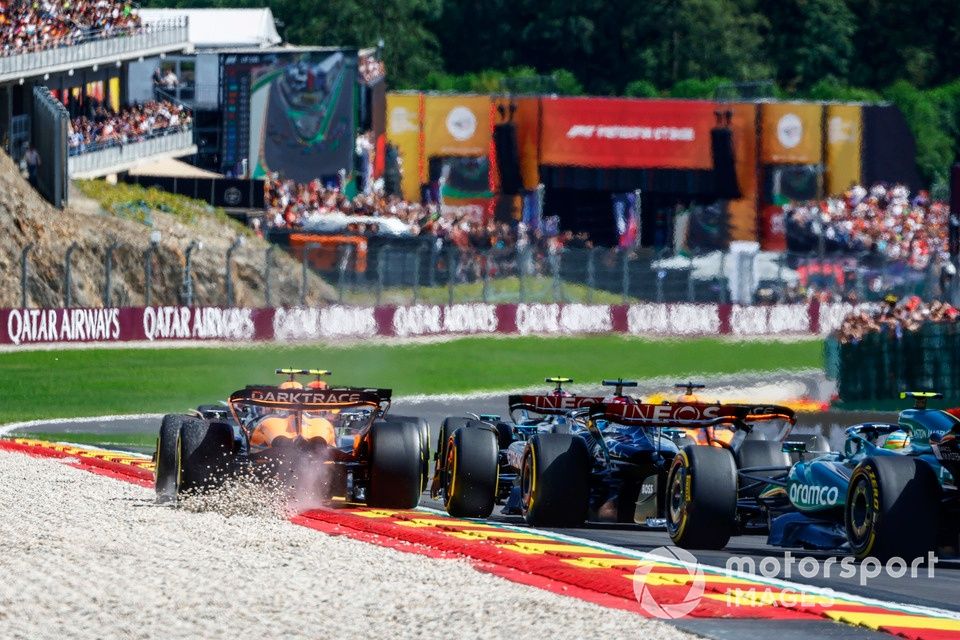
[{"x": 278, "y": 495}]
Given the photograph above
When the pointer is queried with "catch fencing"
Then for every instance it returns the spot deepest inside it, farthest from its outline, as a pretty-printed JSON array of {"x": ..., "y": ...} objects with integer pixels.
[
  {"x": 374, "y": 271},
  {"x": 881, "y": 365}
]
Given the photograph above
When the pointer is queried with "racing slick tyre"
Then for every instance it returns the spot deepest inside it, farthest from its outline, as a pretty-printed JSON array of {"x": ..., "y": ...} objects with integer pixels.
[
  {"x": 165, "y": 458},
  {"x": 447, "y": 427},
  {"x": 424, "y": 428},
  {"x": 757, "y": 454},
  {"x": 470, "y": 471},
  {"x": 394, "y": 465},
  {"x": 555, "y": 480},
  {"x": 204, "y": 452},
  {"x": 892, "y": 508},
  {"x": 701, "y": 498}
]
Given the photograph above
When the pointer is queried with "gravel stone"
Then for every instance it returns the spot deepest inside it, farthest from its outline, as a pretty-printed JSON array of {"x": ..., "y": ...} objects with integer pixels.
[{"x": 86, "y": 556}]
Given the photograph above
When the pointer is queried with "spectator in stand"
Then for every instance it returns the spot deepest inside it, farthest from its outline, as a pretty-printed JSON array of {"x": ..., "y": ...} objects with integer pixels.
[
  {"x": 371, "y": 69},
  {"x": 32, "y": 159},
  {"x": 881, "y": 221},
  {"x": 170, "y": 81},
  {"x": 27, "y": 27},
  {"x": 896, "y": 317},
  {"x": 139, "y": 122}
]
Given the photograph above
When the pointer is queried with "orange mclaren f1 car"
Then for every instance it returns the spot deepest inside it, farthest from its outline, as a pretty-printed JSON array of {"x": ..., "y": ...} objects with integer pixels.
[{"x": 334, "y": 442}]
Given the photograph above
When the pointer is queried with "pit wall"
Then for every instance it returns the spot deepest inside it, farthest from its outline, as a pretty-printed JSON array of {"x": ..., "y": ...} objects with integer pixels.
[{"x": 158, "y": 324}]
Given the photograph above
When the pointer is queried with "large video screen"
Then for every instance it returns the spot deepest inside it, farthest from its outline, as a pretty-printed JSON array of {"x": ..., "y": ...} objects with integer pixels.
[{"x": 291, "y": 112}]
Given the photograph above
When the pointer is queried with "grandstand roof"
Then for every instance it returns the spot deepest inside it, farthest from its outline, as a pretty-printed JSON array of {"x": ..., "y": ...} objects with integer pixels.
[{"x": 221, "y": 28}]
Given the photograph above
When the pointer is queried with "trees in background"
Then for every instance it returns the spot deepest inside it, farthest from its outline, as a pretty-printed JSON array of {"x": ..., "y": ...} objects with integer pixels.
[{"x": 907, "y": 51}]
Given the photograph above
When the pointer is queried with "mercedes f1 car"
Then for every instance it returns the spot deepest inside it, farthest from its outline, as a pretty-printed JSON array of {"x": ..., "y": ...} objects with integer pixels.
[
  {"x": 339, "y": 440},
  {"x": 884, "y": 495},
  {"x": 478, "y": 456},
  {"x": 565, "y": 459}
]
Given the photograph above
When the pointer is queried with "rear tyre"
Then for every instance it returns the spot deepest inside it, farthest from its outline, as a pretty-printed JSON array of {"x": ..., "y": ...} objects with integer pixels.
[
  {"x": 554, "y": 480},
  {"x": 892, "y": 508},
  {"x": 394, "y": 465},
  {"x": 204, "y": 453},
  {"x": 165, "y": 457},
  {"x": 470, "y": 472},
  {"x": 424, "y": 429},
  {"x": 702, "y": 498}
]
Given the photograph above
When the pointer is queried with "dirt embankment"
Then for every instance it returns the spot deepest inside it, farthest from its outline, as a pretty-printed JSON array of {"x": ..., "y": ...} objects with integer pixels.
[{"x": 26, "y": 218}]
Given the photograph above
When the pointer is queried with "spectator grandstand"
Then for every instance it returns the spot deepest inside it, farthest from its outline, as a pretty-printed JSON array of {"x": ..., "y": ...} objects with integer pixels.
[
  {"x": 106, "y": 128},
  {"x": 28, "y": 27},
  {"x": 884, "y": 221},
  {"x": 895, "y": 317}
]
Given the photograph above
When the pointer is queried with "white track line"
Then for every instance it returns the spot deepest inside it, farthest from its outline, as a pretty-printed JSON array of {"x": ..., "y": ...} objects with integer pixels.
[
  {"x": 13, "y": 426},
  {"x": 773, "y": 582}
]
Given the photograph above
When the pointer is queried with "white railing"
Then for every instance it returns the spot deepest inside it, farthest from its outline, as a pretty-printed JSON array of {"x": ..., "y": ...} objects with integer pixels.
[
  {"x": 114, "y": 159},
  {"x": 99, "y": 48}
]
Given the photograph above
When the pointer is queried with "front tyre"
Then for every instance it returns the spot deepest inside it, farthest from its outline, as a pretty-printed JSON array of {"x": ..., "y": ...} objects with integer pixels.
[
  {"x": 702, "y": 498},
  {"x": 892, "y": 508},
  {"x": 394, "y": 465},
  {"x": 470, "y": 472},
  {"x": 555, "y": 480},
  {"x": 165, "y": 458}
]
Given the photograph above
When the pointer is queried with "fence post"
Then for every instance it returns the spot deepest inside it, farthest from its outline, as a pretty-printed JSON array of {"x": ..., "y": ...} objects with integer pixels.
[
  {"x": 303, "y": 275},
  {"x": 555, "y": 259},
  {"x": 187, "y": 272},
  {"x": 23, "y": 275},
  {"x": 148, "y": 270},
  {"x": 625, "y": 275},
  {"x": 416, "y": 274},
  {"x": 591, "y": 273},
  {"x": 67, "y": 275},
  {"x": 237, "y": 243},
  {"x": 451, "y": 273},
  {"x": 521, "y": 269},
  {"x": 485, "y": 292},
  {"x": 345, "y": 251},
  {"x": 381, "y": 271},
  {"x": 108, "y": 273},
  {"x": 267, "y": 267}
]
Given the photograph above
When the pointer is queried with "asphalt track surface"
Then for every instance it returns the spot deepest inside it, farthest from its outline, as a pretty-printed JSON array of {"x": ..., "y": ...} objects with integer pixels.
[{"x": 940, "y": 590}]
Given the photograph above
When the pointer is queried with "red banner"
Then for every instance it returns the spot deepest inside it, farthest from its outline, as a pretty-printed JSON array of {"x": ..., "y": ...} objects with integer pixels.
[
  {"x": 623, "y": 133},
  {"x": 197, "y": 324}
]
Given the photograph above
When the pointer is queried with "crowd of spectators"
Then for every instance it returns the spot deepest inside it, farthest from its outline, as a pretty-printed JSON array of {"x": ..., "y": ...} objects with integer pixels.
[
  {"x": 32, "y": 26},
  {"x": 884, "y": 221},
  {"x": 895, "y": 317},
  {"x": 371, "y": 68},
  {"x": 106, "y": 128},
  {"x": 470, "y": 230}
]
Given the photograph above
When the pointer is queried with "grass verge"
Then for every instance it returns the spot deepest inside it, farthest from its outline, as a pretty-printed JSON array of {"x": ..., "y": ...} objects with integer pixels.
[{"x": 53, "y": 384}]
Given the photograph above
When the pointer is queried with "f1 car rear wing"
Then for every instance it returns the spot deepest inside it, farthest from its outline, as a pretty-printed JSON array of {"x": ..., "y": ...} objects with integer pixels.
[
  {"x": 553, "y": 405},
  {"x": 920, "y": 398},
  {"x": 689, "y": 414},
  {"x": 306, "y": 399}
]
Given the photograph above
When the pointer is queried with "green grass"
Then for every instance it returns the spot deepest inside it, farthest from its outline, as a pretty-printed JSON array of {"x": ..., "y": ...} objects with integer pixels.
[
  {"x": 137, "y": 203},
  {"x": 499, "y": 290},
  {"x": 48, "y": 384}
]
